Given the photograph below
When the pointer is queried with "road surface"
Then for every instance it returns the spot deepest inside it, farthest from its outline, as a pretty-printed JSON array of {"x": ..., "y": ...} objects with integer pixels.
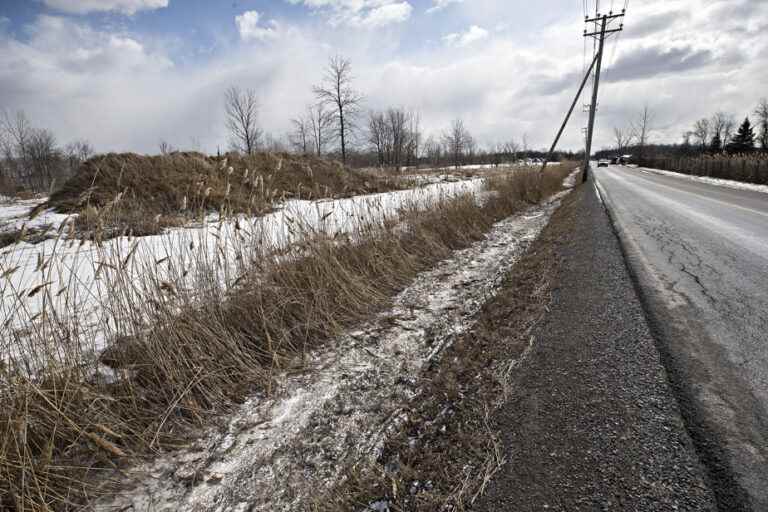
[{"x": 699, "y": 253}]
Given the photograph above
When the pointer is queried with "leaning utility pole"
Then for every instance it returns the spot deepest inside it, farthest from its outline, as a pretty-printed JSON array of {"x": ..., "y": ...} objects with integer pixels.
[
  {"x": 601, "y": 35},
  {"x": 568, "y": 116},
  {"x": 596, "y": 65}
]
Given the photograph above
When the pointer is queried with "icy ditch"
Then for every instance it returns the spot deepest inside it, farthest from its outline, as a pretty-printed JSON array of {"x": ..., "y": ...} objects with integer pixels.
[
  {"x": 87, "y": 281},
  {"x": 712, "y": 181},
  {"x": 278, "y": 452}
]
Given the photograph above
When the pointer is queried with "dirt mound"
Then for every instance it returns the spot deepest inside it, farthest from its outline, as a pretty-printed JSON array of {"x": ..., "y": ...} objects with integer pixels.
[{"x": 190, "y": 181}]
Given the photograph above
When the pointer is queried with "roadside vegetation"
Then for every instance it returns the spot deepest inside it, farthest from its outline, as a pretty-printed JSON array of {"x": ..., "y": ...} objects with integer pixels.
[
  {"x": 744, "y": 168},
  {"x": 444, "y": 454},
  {"x": 184, "y": 345},
  {"x": 715, "y": 146}
]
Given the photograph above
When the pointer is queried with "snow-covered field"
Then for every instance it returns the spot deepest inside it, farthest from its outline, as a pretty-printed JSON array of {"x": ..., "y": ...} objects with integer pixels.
[
  {"x": 14, "y": 215},
  {"x": 712, "y": 181},
  {"x": 69, "y": 278}
]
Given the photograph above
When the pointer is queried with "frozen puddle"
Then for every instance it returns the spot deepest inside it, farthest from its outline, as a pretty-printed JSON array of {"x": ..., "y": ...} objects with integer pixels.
[{"x": 278, "y": 453}]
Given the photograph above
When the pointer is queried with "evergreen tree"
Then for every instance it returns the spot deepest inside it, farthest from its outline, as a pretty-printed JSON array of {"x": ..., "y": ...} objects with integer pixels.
[
  {"x": 744, "y": 141},
  {"x": 716, "y": 146}
]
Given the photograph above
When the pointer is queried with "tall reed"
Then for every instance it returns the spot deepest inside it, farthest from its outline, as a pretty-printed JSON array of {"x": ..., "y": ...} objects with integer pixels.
[{"x": 171, "y": 334}]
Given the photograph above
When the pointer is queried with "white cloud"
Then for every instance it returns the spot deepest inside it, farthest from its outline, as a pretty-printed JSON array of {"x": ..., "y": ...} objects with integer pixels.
[
  {"x": 248, "y": 26},
  {"x": 129, "y": 7},
  {"x": 386, "y": 15},
  {"x": 122, "y": 91},
  {"x": 461, "y": 39},
  {"x": 361, "y": 13},
  {"x": 442, "y": 4}
]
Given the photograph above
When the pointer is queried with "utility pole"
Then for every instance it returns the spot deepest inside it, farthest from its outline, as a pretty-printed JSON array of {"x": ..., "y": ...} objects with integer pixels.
[
  {"x": 596, "y": 65},
  {"x": 605, "y": 30},
  {"x": 568, "y": 116}
]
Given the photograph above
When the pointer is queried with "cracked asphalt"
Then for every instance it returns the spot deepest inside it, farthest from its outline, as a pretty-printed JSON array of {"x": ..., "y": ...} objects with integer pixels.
[{"x": 699, "y": 255}]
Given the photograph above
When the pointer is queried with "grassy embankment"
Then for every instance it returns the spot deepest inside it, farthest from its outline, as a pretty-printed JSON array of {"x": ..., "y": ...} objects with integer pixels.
[{"x": 183, "y": 355}]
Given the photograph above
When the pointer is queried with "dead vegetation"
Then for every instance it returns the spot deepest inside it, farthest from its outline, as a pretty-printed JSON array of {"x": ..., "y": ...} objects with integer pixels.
[
  {"x": 121, "y": 193},
  {"x": 448, "y": 448},
  {"x": 185, "y": 354},
  {"x": 744, "y": 168}
]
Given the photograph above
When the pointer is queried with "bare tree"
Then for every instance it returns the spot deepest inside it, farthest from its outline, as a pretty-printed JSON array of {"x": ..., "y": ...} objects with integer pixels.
[
  {"x": 721, "y": 127},
  {"x": 433, "y": 151},
  {"x": 32, "y": 157},
  {"x": 394, "y": 136},
  {"x": 511, "y": 149},
  {"x": 78, "y": 152},
  {"x": 242, "y": 108},
  {"x": 16, "y": 128},
  {"x": 321, "y": 126},
  {"x": 470, "y": 148},
  {"x": 413, "y": 139},
  {"x": 623, "y": 138},
  {"x": 300, "y": 137},
  {"x": 686, "y": 145},
  {"x": 378, "y": 136},
  {"x": 728, "y": 129},
  {"x": 455, "y": 141},
  {"x": 762, "y": 115},
  {"x": 165, "y": 147},
  {"x": 641, "y": 130},
  {"x": 701, "y": 131},
  {"x": 336, "y": 91}
]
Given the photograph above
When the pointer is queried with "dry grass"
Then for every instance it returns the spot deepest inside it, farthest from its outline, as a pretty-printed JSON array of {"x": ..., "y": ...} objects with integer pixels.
[
  {"x": 443, "y": 456},
  {"x": 120, "y": 193},
  {"x": 185, "y": 348},
  {"x": 751, "y": 168}
]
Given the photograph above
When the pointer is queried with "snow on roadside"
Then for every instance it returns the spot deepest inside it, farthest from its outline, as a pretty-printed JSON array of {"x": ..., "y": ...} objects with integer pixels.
[
  {"x": 477, "y": 167},
  {"x": 277, "y": 453},
  {"x": 14, "y": 215},
  {"x": 712, "y": 181},
  {"x": 81, "y": 274}
]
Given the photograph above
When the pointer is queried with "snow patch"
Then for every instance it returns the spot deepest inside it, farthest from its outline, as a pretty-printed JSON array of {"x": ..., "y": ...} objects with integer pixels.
[
  {"x": 83, "y": 274},
  {"x": 15, "y": 214},
  {"x": 712, "y": 181}
]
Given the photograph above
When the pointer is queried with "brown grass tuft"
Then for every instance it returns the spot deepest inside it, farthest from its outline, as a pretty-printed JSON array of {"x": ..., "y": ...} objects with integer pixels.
[{"x": 144, "y": 194}]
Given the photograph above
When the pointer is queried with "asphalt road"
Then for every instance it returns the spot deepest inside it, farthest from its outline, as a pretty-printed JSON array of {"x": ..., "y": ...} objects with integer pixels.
[{"x": 699, "y": 254}]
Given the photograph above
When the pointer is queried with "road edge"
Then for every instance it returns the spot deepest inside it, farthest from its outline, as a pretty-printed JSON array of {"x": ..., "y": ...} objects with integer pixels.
[{"x": 729, "y": 494}]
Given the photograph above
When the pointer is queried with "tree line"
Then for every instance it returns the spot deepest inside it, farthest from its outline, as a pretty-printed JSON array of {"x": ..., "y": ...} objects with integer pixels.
[
  {"x": 31, "y": 159},
  {"x": 337, "y": 123},
  {"x": 718, "y": 133}
]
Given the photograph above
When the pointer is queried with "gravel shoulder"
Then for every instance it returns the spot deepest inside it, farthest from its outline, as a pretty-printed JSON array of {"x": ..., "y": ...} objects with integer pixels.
[{"x": 591, "y": 422}]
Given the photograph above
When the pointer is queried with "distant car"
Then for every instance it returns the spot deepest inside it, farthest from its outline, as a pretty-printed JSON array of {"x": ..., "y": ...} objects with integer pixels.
[{"x": 603, "y": 163}]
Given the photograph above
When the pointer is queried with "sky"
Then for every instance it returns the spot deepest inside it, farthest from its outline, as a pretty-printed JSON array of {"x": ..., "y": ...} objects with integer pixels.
[{"x": 126, "y": 74}]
